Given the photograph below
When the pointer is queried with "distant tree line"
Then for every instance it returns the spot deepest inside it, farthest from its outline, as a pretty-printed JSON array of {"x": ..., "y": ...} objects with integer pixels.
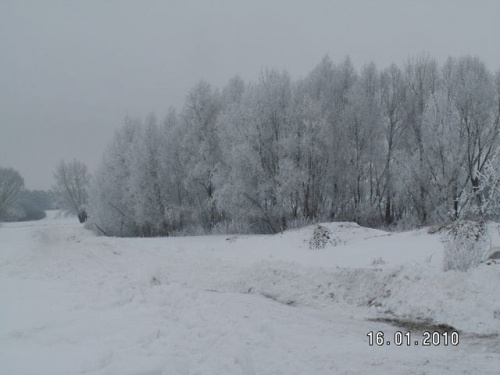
[
  {"x": 405, "y": 146},
  {"x": 70, "y": 194},
  {"x": 31, "y": 205},
  {"x": 18, "y": 203}
]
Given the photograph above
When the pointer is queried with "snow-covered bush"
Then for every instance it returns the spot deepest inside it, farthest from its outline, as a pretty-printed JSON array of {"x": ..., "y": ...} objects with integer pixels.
[
  {"x": 465, "y": 246},
  {"x": 483, "y": 203},
  {"x": 321, "y": 237},
  {"x": 378, "y": 261}
]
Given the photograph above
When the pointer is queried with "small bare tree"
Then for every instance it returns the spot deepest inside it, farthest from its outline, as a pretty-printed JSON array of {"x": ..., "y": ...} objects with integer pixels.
[
  {"x": 72, "y": 183},
  {"x": 11, "y": 183},
  {"x": 465, "y": 246}
]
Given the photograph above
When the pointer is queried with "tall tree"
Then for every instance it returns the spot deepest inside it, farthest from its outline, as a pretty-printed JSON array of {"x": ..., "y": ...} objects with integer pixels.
[
  {"x": 11, "y": 184},
  {"x": 111, "y": 189},
  {"x": 200, "y": 154},
  {"x": 393, "y": 96},
  {"x": 421, "y": 79},
  {"x": 475, "y": 108},
  {"x": 72, "y": 183},
  {"x": 363, "y": 137}
]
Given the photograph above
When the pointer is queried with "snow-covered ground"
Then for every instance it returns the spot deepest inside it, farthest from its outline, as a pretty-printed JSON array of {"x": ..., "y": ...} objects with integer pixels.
[{"x": 74, "y": 303}]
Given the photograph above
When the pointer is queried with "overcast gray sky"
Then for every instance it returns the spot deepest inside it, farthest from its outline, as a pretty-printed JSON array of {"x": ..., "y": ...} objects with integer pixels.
[{"x": 70, "y": 71}]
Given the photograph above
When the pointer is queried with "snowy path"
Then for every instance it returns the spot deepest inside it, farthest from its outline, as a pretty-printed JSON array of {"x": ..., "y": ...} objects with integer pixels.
[{"x": 72, "y": 303}]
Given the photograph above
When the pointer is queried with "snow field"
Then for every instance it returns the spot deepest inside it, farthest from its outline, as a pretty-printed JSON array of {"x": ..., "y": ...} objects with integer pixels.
[{"x": 73, "y": 303}]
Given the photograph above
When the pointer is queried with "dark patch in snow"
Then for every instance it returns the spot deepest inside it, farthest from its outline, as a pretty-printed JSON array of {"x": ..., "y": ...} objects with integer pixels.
[
  {"x": 275, "y": 298},
  {"x": 154, "y": 281},
  {"x": 416, "y": 325},
  {"x": 321, "y": 237}
]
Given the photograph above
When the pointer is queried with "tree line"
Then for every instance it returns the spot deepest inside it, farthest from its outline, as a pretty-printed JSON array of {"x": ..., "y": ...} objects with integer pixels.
[
  {"x": 404, "y": 146},
  {"x": 70, "y": 193},
  {"x": 18, "y": 203}
]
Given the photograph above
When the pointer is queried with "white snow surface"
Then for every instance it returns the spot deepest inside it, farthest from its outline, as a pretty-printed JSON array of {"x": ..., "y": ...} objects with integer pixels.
[{"x": 74, "y": 303}]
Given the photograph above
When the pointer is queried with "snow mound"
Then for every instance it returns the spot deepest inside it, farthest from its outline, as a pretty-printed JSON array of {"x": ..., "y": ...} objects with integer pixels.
[
  {"x": 469, "y": 301},
  {"x": 329, "y": 235}
]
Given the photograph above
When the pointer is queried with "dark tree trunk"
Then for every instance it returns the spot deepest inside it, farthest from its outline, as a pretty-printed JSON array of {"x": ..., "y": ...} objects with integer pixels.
[{"x": 82, "y": 216}]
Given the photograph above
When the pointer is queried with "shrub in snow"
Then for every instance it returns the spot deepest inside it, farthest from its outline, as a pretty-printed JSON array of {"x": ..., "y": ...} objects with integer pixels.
[
  {"x": 465, "y": 247},
  {"x": 321, "y": 236},
  {"x": 378, "y": 261}
]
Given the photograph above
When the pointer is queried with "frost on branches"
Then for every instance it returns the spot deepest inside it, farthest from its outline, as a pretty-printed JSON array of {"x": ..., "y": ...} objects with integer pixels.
[{"x": 402, "y": 147}]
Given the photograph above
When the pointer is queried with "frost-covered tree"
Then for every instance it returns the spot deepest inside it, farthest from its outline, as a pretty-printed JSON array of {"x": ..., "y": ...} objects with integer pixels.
[
  {"x": 364, "y": 144},
  {"x": 475, "y": 109},
  {"x": 445, "y": 158},
  {"x": 331, "y": 87},
  {"x": 148, "y": 182},
  {"x": 405, "y": 146},
  {"x": 11, "y": 185},
  {"x": 72, "y": 183},
  {"x": 310, "y": 156},
  {"x": 178, "y": 210},
  {"x": 392, "y": 100},
  {"x": 111, "y": 211},
  {"x": 254, "y": 137},
  {"x": 200, "y": 153},
  {"x": 489, "y": 189},
  {"x": 421, "y": 76}
]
